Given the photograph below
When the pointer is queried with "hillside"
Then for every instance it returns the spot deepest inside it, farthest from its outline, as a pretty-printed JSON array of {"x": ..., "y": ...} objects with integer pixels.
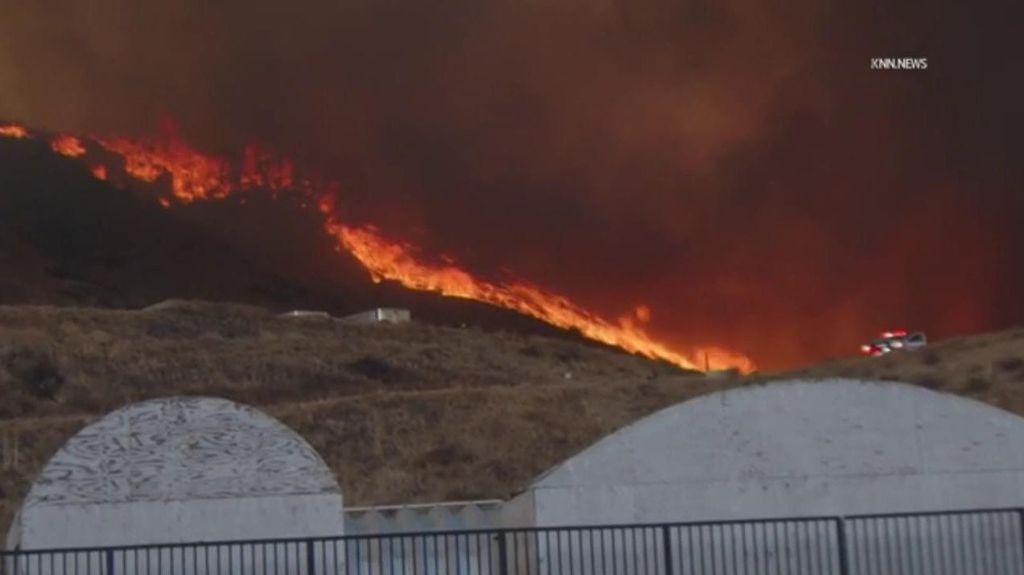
[
  {"x": 407, "y": 412},
  {"x": 986, "y": 367},
  {"x": 401, "y": 413},
  {"x": 67, "y": 238}
]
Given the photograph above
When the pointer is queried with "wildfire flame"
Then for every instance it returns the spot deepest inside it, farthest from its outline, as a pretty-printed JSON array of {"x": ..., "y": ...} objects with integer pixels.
[
  {"x": 69, "y": 146},
  {"x": 392, "y": 261},
  {"x": 13, "y": 131},
  {"x": 260, "y": 169},
  {"x": 194, "y": 176}
]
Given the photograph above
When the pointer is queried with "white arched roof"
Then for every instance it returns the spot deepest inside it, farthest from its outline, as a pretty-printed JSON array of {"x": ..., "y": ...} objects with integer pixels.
[
  {"x": 177, "y": 470},
  {"x": 177, "y": 449},
  {"x": 794, "y": 447}
]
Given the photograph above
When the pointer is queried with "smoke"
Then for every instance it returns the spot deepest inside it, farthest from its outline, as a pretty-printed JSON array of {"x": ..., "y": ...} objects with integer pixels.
[{"x": 738, "y": 169}]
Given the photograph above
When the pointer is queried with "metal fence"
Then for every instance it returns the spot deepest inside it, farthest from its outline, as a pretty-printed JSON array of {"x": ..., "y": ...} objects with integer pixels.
[{"x": 984, "y": 542}]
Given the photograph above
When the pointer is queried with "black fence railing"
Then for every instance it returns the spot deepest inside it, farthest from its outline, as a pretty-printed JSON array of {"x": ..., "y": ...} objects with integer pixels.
[{"x": 983, "y": 542}]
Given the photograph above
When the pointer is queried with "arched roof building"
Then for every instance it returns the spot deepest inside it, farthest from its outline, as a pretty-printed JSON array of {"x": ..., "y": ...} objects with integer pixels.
[
  {"x": 175, "y": 470},
  {"x": 794, "y": 448}
]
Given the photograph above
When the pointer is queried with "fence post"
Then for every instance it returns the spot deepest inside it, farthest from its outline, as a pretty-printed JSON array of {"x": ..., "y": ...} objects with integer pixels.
[
  {"x": 110, "y": 562},
  {"x": 666, "y": 546},
  {"x": 1020, "y": 522},
  {"x": 844, "y": 565},
  {"x": 502, "y": 554},
  {"x": 310, "y": 558}
]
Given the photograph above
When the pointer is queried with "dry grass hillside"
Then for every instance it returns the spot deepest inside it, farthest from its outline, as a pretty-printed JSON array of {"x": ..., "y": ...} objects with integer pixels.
[
  {"x": 402, "y": 413},
  {"x": 987, "y": 367}
]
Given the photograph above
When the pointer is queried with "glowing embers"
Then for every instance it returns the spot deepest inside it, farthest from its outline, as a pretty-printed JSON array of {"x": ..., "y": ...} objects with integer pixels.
[
  {"x": 69, "y": 146},
  {"x": 260, "y": 169},
  {"x": 13, "y": 131}
]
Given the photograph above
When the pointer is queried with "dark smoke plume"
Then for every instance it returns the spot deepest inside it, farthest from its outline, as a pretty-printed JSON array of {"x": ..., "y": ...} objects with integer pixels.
[{"x": 738, "y": 167}]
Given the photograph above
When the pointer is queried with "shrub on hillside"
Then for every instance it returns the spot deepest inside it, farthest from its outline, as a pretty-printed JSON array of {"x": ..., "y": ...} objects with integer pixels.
[
  {"x": 977, "y": 385},
  {"x": 931, "y": 358},
  {"x": 35, "y": 370},
  {"x": 378, "y": 369},
  {"x": 224, "y": 322},
  {"x": 928, "y": 380},
  {"x": 1011, "y": 364}
]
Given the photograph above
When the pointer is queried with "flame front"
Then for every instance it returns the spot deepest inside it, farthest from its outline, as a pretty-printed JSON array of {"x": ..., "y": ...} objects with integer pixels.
[
  {"x": 69, "y": 146},
  {"x": 13, "y": 131},
  {"x": 193, "y": 176},
  {"x": 396, "y": 262}
]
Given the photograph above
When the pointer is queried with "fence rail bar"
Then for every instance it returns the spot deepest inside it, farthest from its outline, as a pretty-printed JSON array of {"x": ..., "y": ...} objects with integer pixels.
[{"x": 968, "y": 542}]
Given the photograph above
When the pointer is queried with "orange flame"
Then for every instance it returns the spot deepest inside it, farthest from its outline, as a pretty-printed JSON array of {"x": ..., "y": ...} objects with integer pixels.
[
  {"x": 13, "y": 131},
  {"x": 396, "y": 262},
  {"x": 69, "y": 146},
  {"x": 194, "y": 176},
  {"x": 260, "y": 169}
]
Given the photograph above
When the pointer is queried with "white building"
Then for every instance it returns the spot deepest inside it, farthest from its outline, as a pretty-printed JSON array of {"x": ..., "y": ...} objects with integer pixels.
[
  {"x": 825, "y": 452},
  {"x": 379, "y": 315},
  {"x": 789, "y": 449},
  {"x": 179, "y": 470}
]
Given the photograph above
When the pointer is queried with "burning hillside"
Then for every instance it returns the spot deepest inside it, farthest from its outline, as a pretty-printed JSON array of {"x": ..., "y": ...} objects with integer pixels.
[
  {"x": 192, "y": 176},
  {"x": 739, "y": 172}
]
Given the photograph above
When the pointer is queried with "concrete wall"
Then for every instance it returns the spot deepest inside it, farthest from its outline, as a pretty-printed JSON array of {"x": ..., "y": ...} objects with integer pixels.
[
  {"x": 180, "y": 470},
  {"x": 448, "y": 516},
  {"x": 520, "y": 511},
  {"x": 152, "y": 522},
  {"x": 466, "y": 553},
  {"x": 797, "y": 448}
]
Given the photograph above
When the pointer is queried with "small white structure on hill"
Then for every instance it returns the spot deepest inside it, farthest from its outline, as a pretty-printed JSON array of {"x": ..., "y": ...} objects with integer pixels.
[
  {"x": 379, "y": 315},
  {"x": 789, "y": 449},
  {"x": 305, "y": 314},
  {"x": 179, "y": 470}
]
